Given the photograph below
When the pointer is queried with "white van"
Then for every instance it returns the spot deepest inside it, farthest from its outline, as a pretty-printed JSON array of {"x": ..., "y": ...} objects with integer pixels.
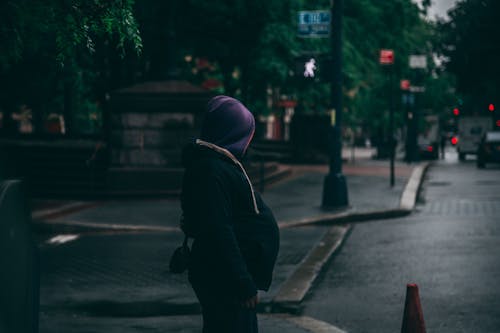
[{"x": 470, "y": 131}]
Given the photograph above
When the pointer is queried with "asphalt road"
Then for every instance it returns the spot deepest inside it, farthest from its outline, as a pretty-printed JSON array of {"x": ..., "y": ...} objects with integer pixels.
[{"x": 450, "y": 247}]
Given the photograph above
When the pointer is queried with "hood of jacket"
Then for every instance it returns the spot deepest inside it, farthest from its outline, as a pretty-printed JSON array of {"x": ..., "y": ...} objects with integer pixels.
[{"x": 228, "y": 124}]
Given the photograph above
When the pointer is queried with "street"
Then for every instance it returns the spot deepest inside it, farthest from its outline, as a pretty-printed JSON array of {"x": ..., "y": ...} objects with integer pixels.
[
  {"x": 449, "y": 246},
  {"x": 104, "y": 260},
  {"x": 138, "y": 132}
]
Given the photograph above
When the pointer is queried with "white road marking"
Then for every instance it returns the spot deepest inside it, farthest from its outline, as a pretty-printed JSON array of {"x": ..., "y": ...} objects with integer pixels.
[{"x": 61, "y": 239}]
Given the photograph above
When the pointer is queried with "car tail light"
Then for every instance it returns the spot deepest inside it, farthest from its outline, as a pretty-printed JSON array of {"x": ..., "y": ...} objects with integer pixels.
[{"x": 454, "y": 140}]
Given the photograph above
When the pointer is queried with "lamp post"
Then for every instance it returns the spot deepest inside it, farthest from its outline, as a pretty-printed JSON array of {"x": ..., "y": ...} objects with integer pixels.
[
  {"x": 392, "y": 142},
  {"x": 387, "y": 59},
  {"x": 334, "y": 186}
]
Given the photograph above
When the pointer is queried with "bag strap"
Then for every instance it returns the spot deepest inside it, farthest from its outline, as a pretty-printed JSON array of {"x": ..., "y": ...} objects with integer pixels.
[{"x": 235, "y": 161}]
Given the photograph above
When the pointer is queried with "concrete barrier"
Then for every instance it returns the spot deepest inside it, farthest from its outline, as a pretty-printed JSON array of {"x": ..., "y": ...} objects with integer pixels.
[{"x": 19, "y": 262}]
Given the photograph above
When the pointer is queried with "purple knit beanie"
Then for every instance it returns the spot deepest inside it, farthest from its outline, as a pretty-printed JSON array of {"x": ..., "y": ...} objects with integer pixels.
[{"x": 228, "y": 124}]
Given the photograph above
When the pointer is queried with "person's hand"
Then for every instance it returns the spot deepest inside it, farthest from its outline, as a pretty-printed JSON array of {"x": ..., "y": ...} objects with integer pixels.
[{"x": 252, "y": 302}]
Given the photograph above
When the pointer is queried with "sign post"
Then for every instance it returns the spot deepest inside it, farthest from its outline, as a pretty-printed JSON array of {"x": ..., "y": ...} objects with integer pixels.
[
  {"x": 408, "y": 99},
  {"x": 335, "y": 186},
  {"x": 387, "y": 59}
]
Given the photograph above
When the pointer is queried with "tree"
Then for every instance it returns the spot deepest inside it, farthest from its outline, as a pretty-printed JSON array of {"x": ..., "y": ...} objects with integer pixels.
[
  {"x": 249, "y": 46},
  {"x": 64, "y": 26},
  {"x": 257, "y": 38},
  {"x": 470, "y": 44},
  {"x": 370, "y": 26},
  {"x": 47, "y": 47}
]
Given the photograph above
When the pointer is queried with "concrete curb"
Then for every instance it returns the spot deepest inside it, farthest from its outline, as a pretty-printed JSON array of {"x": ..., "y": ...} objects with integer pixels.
[
  {"x": 52, "y": 213},
  {"x": 313, "y": 325},
  {"x": 407, "y": 204},
  {"x": 73, "y": 227},
  {"x": 296, "y": 287},
  {"x": 410, "y": 193},
  {"x": 345, "y": 217}
]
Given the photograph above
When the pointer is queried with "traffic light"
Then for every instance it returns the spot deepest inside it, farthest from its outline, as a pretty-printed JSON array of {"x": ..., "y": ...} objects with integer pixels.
[
  {"x": 456, "y": 112},
  {"x": 491, "y": 107}
]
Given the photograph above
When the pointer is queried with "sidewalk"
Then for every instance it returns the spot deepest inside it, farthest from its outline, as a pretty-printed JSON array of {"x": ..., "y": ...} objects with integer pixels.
[
  {"x": 118, "y": 267},
  {"x": 275, "y": 323},
  {"x": 296, "y": 198}
]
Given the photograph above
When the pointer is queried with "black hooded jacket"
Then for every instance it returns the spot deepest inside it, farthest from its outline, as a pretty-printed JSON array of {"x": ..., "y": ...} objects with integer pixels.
[{"x": 236, "y": 238}]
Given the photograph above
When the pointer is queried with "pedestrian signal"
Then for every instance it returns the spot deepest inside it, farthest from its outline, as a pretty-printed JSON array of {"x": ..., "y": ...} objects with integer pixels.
[
  {"x": 313, "y": 68},
  {"x": 309, "y": 68}
]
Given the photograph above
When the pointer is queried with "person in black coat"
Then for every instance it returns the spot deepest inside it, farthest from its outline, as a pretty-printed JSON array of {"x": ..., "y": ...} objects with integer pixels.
[{"x": 236, "y": 238}]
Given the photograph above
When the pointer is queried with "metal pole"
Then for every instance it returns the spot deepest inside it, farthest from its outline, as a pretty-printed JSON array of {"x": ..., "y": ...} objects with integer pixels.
[
  {"x": 392, "y": 141},
  {"x": 334, "y": 186},
  {"x": 262, "y": 174},
  {"x": 409, "y": 129}
]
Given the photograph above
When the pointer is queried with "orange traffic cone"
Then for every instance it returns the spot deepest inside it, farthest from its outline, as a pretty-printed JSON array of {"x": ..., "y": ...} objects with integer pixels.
[{"x": 413, "y": 318}]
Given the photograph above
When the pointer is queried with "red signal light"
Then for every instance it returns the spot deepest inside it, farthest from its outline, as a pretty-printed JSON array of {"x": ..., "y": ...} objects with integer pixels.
[
  {"x": 430, "y": 149},
  {"x": 456, "y": 111},
  {"x": 491, "y": 107},
  {"x": 497, "y": 123},
  {"x": 454, "y": 140}
]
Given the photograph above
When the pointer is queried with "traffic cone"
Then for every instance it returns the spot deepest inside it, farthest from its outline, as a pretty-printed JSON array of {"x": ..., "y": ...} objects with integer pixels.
[{"x": 413, "y": 317}]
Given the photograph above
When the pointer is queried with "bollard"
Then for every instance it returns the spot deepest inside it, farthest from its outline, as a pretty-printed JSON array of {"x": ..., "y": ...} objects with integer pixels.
[{"x": 19, "y": 262}]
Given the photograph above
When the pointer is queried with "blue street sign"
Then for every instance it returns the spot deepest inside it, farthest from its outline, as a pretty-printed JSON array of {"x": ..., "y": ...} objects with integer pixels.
[
  {"x": 314, "y": 24},
  {"x": 408, "y": 99}
]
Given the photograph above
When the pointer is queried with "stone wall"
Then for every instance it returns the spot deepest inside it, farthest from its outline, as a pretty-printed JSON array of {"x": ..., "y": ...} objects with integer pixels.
[
  {"x": 149, "y": 125},
  {"x": 150, "y": 139}
]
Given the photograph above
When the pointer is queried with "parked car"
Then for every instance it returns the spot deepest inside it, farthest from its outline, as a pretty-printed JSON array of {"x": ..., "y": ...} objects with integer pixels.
[
  {"x": 489, "y": 149},
  {"x": 428, "y": 150},
  {"x": 470, "y": 131}
]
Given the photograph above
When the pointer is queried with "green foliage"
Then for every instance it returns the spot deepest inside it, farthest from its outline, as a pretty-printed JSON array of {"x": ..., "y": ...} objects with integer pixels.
[
  {"x": 371, "y": 26},
  {"x": 65, "y": 26},
  {"x": 48, "y": 49},
  {"x": 255, "y": 37},
  {"x": 259, "y": 38},
  {"x": 250, "y": 45},
  {"x": 470, "y": 42}
]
